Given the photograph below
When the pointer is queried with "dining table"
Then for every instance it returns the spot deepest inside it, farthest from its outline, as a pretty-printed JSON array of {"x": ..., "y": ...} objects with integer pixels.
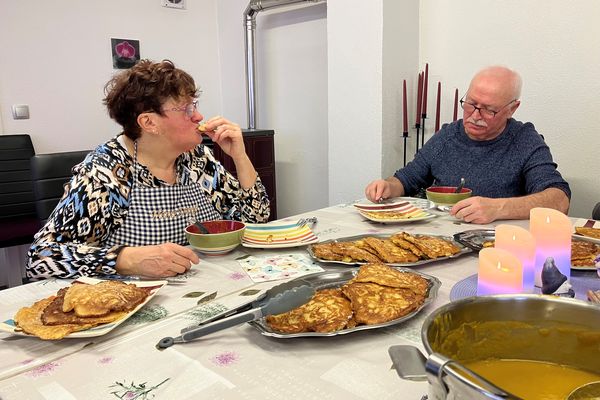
[{"x": 239, "y": 362}]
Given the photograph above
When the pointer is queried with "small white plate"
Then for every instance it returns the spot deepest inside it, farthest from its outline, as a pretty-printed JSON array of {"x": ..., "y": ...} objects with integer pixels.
[
  {"x": 277, "y": 236},
  {"x": 392, "y": 204},
  {"x": 10, "y": 326}
]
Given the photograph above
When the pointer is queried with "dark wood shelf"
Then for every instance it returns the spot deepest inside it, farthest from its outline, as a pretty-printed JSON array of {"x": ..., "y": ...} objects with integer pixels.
[{"x": 260, "y": 148}]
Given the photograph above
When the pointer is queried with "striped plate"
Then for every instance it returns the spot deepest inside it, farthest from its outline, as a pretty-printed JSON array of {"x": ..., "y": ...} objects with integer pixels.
[{"x": 277, "y": 235}]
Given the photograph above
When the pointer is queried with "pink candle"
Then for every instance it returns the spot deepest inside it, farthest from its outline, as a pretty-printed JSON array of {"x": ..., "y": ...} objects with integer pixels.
[
  {"x": 425, "y": 81},
  {"x": 520, "y": 243},
  {"x": 455, "y": 105},
  {"x": 437, "y": 107},
  {"x": 499, "y": 272},
  {"x": 404, "y": 110},
  {"x": 419, "y": 99},
  {"x": 552, "y": 232}
]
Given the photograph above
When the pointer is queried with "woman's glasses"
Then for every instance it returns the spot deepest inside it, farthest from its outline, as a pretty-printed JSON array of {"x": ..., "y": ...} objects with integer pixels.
[{"x": 189, "y": 109}]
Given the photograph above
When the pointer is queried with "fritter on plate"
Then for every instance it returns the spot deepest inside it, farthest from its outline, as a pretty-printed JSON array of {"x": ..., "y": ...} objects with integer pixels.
[{"x": 589, "y": 232}]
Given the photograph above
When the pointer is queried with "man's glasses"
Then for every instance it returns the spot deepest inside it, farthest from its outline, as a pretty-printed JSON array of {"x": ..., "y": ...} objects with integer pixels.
[
  {"x": 484, "y": 112},
  {"x": 189, "y": 109}
]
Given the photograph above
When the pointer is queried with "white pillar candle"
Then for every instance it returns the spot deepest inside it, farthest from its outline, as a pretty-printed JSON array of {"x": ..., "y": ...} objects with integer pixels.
[
  {"x": 521, "y": 243},
  {"x": 500, "y": 272},
  {"x": 552, "y": 231}
]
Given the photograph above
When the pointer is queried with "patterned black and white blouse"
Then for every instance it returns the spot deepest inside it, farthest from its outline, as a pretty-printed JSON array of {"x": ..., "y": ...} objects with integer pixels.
[{"x": 73, "y": 242}]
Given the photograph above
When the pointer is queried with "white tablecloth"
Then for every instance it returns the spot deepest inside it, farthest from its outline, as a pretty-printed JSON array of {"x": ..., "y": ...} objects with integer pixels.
[{"x": 237, "y": 363}]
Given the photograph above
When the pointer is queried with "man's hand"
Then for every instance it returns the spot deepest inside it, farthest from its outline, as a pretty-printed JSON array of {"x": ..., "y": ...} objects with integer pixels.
[
  {"x": 477, "y": 210},
  {"x": 167, "y": 259},
  {"x": 382, "y": 189}
]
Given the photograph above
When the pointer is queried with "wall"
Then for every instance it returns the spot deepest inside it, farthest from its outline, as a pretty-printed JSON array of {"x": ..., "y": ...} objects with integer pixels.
[
  {"x": 291, "y": 68},
  {"x": 554, "y": 45},
  {"x": 56, "y": 58}
]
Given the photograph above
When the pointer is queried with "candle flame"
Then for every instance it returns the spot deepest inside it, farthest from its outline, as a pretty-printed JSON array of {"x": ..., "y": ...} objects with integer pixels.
[
  {"x": 499, "y": 267},
  {"x": 514, "y": 238},
  {"x": 547, "y": 219}
]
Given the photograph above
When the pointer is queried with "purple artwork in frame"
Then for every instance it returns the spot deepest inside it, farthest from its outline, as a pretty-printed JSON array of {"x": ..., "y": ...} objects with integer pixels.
[{"x": 125, "y": 52}]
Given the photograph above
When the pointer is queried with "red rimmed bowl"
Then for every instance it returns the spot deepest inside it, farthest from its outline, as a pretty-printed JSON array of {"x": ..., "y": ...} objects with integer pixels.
[
  {"x": 223, "y": 236},
  {"x": 446, "y": 195}
]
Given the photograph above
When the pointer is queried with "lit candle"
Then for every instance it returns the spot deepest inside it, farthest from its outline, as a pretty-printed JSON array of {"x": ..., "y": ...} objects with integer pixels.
[
  {"x": 500, "y": 272},
  {"x": 520, "y": 243},
  {"x": 425, "y": 80},
  {"x": 437, "y": 107},
  {"x": 552, "y": 232},
  {"x": 455, "y": 116},
  {"x": 404, "y": 110},
  {"x": 419, "y": 99}
]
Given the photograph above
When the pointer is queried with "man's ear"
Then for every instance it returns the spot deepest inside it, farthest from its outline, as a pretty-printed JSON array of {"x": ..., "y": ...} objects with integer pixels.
[
  {"x": 514, "y": 107},
  {"x": 147, "y": 122}
]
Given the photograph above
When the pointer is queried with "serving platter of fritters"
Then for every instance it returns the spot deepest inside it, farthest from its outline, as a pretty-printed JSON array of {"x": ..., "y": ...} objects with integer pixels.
[
  {"x": 88, "y": 307},
  {"x": 400, "y": 249},
  {"x": 372, "y": 296}
]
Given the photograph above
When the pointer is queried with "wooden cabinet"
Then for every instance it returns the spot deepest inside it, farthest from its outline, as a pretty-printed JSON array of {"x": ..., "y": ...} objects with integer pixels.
[{"x": 261, "y": 151}]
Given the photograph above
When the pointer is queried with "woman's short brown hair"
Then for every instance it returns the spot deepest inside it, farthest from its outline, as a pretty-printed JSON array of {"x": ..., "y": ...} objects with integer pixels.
[{"x": 145, "y": 87}]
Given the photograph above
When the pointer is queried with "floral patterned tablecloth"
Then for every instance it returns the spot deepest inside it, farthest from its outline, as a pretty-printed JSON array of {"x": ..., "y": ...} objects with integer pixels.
[{"x": 237, "y": 363}]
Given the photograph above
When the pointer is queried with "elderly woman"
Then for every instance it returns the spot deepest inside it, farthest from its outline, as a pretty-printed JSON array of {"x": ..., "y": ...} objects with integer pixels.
[{"x": 127, "y": 205}]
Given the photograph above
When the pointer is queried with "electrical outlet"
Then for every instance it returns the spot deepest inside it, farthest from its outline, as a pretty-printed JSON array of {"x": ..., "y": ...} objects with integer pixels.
[{"x": 180, "y": 4}]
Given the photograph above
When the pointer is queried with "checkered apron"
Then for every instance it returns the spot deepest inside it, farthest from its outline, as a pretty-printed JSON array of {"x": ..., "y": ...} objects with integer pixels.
[{"x": 160, "y": 214}]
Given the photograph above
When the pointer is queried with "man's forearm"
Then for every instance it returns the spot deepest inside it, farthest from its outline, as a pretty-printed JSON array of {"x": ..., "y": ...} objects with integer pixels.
[{"x": 519, "y": 207}]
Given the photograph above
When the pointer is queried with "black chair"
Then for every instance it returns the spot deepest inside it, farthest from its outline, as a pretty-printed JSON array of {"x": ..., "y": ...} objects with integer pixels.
[
  {"x": 596, "y": 212},
  {"x": 50, "y": 172},
  {"x": 18, "y": 219}
]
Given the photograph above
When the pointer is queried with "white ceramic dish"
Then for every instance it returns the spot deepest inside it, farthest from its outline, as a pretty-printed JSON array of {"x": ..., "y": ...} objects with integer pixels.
[
  {"x": 588, "y": 223},
  {"x": 277, "y": 236},
  {"x": 9, "y": 324}
]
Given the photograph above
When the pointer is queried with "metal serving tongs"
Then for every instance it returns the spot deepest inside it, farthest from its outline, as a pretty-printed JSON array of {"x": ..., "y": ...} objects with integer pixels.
[{"x": 277, "y": 300}]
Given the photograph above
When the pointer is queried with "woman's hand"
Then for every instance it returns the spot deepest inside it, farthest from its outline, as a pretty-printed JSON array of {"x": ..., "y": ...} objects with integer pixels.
[
  {"x": 227, "y": 135},
  {"x": 167, "y": 259}
]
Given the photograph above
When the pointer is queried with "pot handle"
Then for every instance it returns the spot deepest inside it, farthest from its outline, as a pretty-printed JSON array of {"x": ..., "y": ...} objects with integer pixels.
[
  {"x": 409, "y": 362},
  {"x": 437, "y": 366}
]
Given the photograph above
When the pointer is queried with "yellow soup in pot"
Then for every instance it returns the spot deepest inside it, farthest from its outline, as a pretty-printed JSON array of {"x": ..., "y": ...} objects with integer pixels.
[{"x": 533, "y": 380}]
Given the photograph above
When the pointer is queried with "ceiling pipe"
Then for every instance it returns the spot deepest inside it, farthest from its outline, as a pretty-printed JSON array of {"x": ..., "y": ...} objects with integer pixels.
[{"x": 254, "y": 7}]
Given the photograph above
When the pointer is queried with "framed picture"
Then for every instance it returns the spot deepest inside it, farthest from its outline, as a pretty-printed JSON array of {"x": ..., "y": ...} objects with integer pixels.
[{"x": 125, "y": 52}]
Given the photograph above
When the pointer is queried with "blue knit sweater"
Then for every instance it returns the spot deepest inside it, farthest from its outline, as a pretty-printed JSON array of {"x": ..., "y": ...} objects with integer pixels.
[{"x": 516, "y": 163}]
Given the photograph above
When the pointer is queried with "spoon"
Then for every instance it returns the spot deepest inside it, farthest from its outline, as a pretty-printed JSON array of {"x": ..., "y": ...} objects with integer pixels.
[
  {"x": 589, "y": 391},
  {"x": 460, "y": 185},
  {"x": 201, "y": 228}
]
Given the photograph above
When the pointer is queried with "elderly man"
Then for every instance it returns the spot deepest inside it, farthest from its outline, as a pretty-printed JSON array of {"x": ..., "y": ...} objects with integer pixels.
[{"x": 505, "y": 162}]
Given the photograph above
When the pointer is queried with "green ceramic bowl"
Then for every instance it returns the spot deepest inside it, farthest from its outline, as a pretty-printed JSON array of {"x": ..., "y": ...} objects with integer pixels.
[
  {"x": 223, "y": 236},
  {"x": 445, "y": 196}
]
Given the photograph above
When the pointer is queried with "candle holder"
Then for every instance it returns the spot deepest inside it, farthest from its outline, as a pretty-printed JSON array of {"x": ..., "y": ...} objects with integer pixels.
[{"x": 552, "y": 232}]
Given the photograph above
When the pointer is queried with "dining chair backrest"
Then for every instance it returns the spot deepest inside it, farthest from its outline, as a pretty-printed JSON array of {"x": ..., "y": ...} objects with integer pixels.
[
  {"x": 18, "y": 220},
  {"x": 596, "y": 212},
  {"x": 50, "y": 172}
]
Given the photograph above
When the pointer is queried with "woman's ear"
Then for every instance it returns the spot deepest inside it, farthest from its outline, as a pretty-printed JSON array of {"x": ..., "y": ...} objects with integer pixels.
[{"x": 147, "y": 122}]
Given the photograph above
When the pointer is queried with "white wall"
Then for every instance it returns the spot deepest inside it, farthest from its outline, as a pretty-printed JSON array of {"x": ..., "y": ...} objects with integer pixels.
[
  {"x": 291, "y": 81},
  {"x": 554, "y": 45},
  {"x": 343, "y": 94},
  {"x": 56, "y": 58}
]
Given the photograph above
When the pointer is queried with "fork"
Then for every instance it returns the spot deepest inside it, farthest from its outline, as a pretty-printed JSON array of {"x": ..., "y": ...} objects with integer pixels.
[{"x": 303, "y": 221}]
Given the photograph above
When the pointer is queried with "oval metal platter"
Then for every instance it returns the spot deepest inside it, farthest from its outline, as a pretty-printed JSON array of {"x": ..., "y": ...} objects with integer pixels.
[
  {"x": 334, "y": 279},
  {"x": 463, "y": 250}
]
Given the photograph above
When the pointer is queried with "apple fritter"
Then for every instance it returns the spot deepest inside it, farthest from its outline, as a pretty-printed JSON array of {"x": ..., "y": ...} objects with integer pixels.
[
  {"x": 102, "y": 298},
  {"x": 29, "y": 319},
  {"x": 589, "y": 232},
  {"x": 433, "y": 247},
  {"x": 327, "y": 311},
  {"x": 289, "y": 322},
  {"x": 399, "y": 241},
  {"x": 390, "y": 253},
  {"x": 54, "y": 315},
  {"x": 374, "y": 304},
  {"x": 388, "y": 276}
]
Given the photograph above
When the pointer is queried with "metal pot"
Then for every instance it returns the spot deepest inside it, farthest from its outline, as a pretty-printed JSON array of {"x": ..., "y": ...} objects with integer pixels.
[{"x": 526, "y": 327}]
